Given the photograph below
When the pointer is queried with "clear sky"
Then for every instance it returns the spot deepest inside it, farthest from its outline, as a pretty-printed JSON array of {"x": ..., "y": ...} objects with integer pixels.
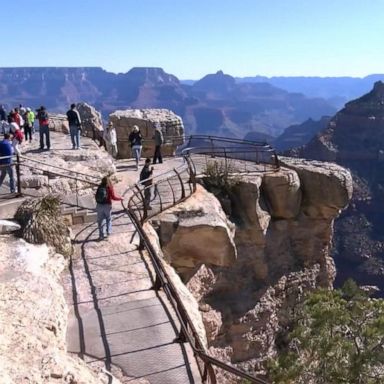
[{"x": 191, "y": 38}]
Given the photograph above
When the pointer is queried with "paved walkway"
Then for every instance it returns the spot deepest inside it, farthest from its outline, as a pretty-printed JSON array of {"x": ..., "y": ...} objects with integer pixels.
[{"x": 115, "y": 316}]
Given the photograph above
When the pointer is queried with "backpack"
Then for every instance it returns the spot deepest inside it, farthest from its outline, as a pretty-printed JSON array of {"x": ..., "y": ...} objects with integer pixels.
[{"x": 101, "y": 195}]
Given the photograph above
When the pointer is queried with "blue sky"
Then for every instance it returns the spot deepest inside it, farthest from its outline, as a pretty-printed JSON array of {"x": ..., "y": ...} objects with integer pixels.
[{"x": 191, "y": 38}]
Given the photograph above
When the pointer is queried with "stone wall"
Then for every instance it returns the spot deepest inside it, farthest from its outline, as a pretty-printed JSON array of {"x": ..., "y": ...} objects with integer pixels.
[{"x": 171, "y": 126}]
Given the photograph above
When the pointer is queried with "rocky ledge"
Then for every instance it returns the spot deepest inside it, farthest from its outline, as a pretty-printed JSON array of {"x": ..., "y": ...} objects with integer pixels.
[{"x": 247, "y": 269}]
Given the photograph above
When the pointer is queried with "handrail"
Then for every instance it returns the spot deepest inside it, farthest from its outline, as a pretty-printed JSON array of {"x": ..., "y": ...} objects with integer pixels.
[
  {"x": 29, "y": 159},
  {"x": 135, "y": 206}
]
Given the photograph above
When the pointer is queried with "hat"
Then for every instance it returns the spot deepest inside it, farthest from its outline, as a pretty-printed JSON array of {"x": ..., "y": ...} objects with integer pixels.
[
  {"x": 28, "y": 109},
  {"x": 135, "y": 128}
]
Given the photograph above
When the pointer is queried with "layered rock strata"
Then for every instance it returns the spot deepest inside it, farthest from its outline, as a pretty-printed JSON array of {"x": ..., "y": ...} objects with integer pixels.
[
  {"x": 283, "y": 230},
  {"x": 146, "y": 119}
]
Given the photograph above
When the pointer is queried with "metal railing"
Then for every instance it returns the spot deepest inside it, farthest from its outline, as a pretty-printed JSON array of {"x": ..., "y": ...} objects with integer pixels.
[
  {"x": 52, "y": 172},
  {"x": 169, "y": 189}
]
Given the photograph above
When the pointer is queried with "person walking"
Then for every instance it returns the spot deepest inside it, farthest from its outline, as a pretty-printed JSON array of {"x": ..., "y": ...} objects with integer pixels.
[
  {"x": 104, "y": 196},
  {"x": 110, "y": 139},
  {"x": 29, "y": 123},
  {"x": 6, "y": 166},
  {"x": 159, "y": 140},
  {"x": 135, "y": 138},
  {"x": 42, "y": 116},
  {"x": 17, "y": 138},
  {"x": 74, "y": 122},
  {"x": 146, "y": 180}
]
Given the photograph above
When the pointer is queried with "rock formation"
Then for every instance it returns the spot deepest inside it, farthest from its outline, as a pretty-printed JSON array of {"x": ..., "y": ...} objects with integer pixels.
[
  {"x": 283, "y": 231},
  {"x": 91, "y": 121},
  {"x": 171, "y": 126}
]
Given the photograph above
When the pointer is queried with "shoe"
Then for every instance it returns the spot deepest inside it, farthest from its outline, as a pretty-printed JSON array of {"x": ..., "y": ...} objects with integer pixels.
[
  {"x": 100, "y": 238},
  {"x": 149, "y": 208},
  {"x": 73, "y": 147}
]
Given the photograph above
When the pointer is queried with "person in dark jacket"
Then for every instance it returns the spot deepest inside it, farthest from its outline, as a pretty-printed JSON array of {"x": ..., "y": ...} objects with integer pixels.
[
  {"x": 74, "y": 123},
  {"x": 135, "y": 138},
  {"x": 3, "y": 118},
  {"x": 6, "y": 167},
  {"x": 104, "y": 209},
  {"x": 43, "y": 118},
  {"x": 159, "y": 140},
  {"x": 146, "y": 180}
]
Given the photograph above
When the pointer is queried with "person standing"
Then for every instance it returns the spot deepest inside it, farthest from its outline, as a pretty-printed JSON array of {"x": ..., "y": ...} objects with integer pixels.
[
  {"x": 104, "y": 196},
  {"x": 3, "y": 118},
  {"x": 135, "y": 138},
  {"x": 74, "y": 122},
  {"x": 146, "y": 180},
  {"x": 6, "y": 166},
  {"x": 29, "y": 123},
  {"x": 110, "y": 139},
  {"x": 43, "y": 118},
  {"x": 159, "y": 140}
]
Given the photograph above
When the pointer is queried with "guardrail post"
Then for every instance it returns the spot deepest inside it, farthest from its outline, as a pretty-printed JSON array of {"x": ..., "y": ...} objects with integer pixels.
[
  {"x": 18, "y": 175},
  {"x": 181, "y": 183},
  {"x": 181, "y": 338}
]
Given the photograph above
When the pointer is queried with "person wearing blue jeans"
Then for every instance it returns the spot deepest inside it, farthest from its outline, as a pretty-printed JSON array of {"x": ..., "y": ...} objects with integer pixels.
[
  {"x": 43, "y": 118},
  {"x": 6, "y": 166},
  {"x": 135, "y": 138},
  {"x": 104, "y": 196},
  {"x": 74, "y": 122}
]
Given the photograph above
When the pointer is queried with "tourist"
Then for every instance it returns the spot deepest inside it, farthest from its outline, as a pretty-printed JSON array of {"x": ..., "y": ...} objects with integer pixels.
[
  {"x": 3, "y": 119},
  {"x": 159, "y": 140},
  {"x": 74, "y": 122},
  {"x": 104, "y": 196},
  {"x": 146, "y": 180},
  {"x": 110, "y": 139},
  {"x": 135, "y": 138},
  {"x": 17, "y": 138},
  {"x": 29, "y": 124},
  {"x": 6, "y": 153},
  {"x": 16, "y": 118},
  {"x": 42, "y": 116}
]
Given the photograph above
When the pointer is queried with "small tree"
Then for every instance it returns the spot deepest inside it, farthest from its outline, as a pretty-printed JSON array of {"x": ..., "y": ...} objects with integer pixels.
[{"x": 338, "y": 338}]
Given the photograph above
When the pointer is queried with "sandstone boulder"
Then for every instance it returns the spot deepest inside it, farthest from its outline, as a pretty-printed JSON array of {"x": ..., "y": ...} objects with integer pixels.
[
  {"x": 58, "y": 123},
  {"x": 327, "y": 186},
  {"x": 283, "y": 193},
  {"x": 91, "y": 121},
  {"x": 146, "y": 119},
  {"x": 195, "y": 232}
]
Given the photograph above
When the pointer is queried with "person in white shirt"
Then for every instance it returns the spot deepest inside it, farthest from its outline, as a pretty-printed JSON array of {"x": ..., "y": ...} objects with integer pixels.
[{"x": 110, "y": 139}]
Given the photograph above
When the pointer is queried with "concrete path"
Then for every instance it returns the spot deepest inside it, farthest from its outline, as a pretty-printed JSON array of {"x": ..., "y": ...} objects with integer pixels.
[{"x": 115, "y": 316}]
